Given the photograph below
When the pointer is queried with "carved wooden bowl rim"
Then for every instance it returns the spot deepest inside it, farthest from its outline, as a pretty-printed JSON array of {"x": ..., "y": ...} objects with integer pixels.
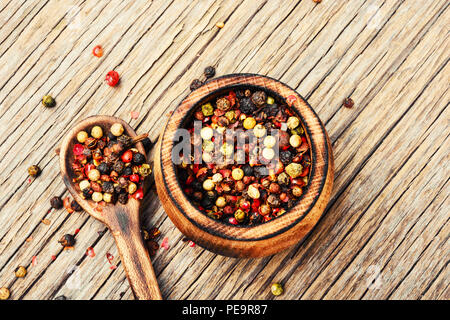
[{"x": 315, "y": 133}]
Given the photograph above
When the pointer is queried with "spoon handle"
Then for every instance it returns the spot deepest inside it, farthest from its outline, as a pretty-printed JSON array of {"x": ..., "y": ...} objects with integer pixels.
[{"x": 135, "y": 259}]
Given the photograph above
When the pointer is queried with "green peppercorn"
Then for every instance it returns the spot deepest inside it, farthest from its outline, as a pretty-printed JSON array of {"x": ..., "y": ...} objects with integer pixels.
[
  {"x": 239, "y": 215},
  {"x": 48, "y": 101},
  {"x": 294, "y": 170},
  {"x": 21, "y": 272},
  {"x": 145, "y": 170},
  {"x": 276, "y": 289},
  {"x": 34, "y": 170},
  {"x": 207, "y": 110}
]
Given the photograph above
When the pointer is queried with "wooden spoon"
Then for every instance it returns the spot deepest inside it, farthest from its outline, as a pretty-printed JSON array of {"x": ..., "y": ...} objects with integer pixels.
[{"x": 122, "y": 220}]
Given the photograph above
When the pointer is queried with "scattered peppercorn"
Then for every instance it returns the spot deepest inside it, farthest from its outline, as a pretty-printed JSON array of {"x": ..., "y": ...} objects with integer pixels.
[
  {"x": 277, "y": 289},
  {"x": 195, "y": 84},
  {"x": 210, "y": 72},
  {"x": 67, "y": 240},
  {"x": 56, "y": 202},
  {"x": 112, "y": 78},
  {"x": 34, "y": 170},
  {"x": 61, "y": 298},
  {"x": 75, "y": 206},
  {"x": 20, "y": 272},
  {"x": 4, "y": 293},
  {"x": 97, "y": 51},
  {"x": 348, "y": 103},
  {"x": 48, "y": 101},
  {"x": 220, "y": 25}
]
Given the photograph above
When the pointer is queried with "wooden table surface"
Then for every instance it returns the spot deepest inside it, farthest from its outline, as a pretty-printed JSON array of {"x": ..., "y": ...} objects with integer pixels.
[{"x": 385, "y": 233}]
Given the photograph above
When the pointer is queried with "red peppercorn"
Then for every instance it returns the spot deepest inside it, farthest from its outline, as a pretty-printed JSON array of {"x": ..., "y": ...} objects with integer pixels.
[
  {"x": 139, "y": 194},
  {"x": 228, "y": 210},
  {"x": 255, "y": 205},
  {"x": 97, "y": 51},
  {"x": 78, "y": 149},
  {"x": 127, "y": 156},
  {"x": 134, "y": 177},
  {"x": 305, "y": 172},
  {"x": 112, "y": 78},
  {"x": 245, "y": 205}
]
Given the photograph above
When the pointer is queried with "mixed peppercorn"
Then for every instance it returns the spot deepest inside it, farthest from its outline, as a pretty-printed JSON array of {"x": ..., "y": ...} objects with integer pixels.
[
  {"x": 108, "y": 168},
  {"x": 252, "y": 192}
]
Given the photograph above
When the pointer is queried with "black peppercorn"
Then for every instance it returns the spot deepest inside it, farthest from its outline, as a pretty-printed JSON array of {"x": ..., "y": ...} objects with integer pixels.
[
  {"x": 255, "y": 218},
  {"x": 101, "y": 144},
  {"x": 61, "y": 298},
  {"x": 127, "y": 171},
  {"x": 75, "y": 206},
  {"x": 110, "y": 136},
  {"x": 247, "y": 106},
  {"x": 87, "y": 193},
  {"x": 112, "y": 158},
  {"x": 273, "y": 201},
  {"x": 197, "y": 185},
  {"x": 118, "y": 166},
  {"x": 87, "y": 152},
  {"x": 240, "y": 94},
  {"x": 248, "y": 170},
  {"x": 67, "y": 240},
  {"x": 207, "y": 203},
  {"x": 147, "y": 143},
  {"x": 104, "y": 168},
  {"x": 195, "y": 84},
  {"x": 260, "y": 171},
  {"x": 123, "y": 198},
  {"x": 286, "y": 157},
  {"x": 108, "y": 187},
  {"x": 259, "y": 98},
  {"x": 138, "y": 158},
  {"x": 56, "y": 202},
  {"x": 210, "y": 72},
  {"x": 118, "y": 189}
]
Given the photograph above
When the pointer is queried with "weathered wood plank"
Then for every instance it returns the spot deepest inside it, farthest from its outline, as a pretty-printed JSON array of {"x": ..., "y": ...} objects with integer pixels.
[{"x": 439, "y": 288}]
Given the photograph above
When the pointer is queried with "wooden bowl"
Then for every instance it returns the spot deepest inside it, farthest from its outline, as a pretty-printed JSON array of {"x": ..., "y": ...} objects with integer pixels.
[{"x": 246, "y": 241}]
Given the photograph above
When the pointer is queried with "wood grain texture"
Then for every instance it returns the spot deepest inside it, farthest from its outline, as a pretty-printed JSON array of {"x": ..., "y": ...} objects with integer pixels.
[{"x": 385, "y": 232}]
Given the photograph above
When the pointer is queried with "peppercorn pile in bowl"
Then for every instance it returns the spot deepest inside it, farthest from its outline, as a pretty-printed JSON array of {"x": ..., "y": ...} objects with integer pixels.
[
  {"x": 259, "y": 180},
  {"x": 107, "y": 167}
]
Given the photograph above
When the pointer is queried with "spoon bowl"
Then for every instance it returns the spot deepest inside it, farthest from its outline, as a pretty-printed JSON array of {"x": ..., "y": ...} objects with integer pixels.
[{"x": 122, "y": 220}]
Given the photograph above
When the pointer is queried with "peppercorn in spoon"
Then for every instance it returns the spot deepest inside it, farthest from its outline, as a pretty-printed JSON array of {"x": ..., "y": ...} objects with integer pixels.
[{"x": 120, "y": 214}]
